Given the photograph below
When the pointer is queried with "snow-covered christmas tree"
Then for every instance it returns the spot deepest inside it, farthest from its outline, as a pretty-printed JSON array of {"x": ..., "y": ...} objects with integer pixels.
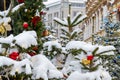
[{"x": 29, "y": 53}]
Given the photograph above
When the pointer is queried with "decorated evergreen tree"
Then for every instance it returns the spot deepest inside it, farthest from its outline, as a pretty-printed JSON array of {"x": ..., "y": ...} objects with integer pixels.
[
  {"x": 112, "y": 37},
  {"x": 28, "y": 17}
]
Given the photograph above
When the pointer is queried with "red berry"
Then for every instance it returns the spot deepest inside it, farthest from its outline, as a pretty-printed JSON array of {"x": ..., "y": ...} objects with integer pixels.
[
  {"x": 25, "y": 25},
  {"x": 90, "y": 57},
  {"x": 20, "y": 1},
  {"x": 31, "y": 53}
]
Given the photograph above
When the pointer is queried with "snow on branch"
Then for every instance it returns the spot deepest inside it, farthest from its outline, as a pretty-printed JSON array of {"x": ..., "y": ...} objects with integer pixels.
[
  {"x": 39, "y": 66},
  {"x": 97, "y": 75},
  {"x": 60, "y": 21},
  {"x": 89, "y": 47},
  {"x": 80, "y": 19},
  {"x": 17, "y": 7},
  {"x": 49, "y": 44},
  {"x": 25, "y": 39}
]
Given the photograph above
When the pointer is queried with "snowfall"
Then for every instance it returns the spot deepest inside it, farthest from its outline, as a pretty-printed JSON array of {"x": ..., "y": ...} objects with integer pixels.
[{"x": 41, "y": 67}]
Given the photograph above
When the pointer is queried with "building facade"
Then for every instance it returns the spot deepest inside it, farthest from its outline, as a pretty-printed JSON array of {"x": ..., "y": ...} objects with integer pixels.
[
  {"x": 96, "y": 10},
  {"x": 60, "y": 9}
]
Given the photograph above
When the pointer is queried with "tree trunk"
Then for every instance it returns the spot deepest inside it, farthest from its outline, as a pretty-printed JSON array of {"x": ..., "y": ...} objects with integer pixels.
[{"x": 70, "y": 29}]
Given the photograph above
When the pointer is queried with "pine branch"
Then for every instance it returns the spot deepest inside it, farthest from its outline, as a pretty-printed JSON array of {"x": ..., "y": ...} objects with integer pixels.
[
  {"x": 76, "y": 19},
  {"x": 104, "y": 52},
  {"x": 95, "y": 50},
  {"x": 73, "y": 35},
  {"x": 60, "y": 23}
]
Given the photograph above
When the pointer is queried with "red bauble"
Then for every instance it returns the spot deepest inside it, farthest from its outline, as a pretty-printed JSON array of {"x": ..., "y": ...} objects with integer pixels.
[
  {"x": 25, "y": 25},
  {"x": 20, "y": 1},
  {"x": 90, "y": 57},
  {"x": 35, "y": 48},
  {"x": 31, "y": 53},
  {"x": 42, "y": 13},
  {"x": 35, "y": 20},
  {"x": 14, "y": 55}
]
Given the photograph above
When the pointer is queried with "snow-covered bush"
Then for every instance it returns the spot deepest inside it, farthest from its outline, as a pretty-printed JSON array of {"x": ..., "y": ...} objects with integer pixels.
[
  {"x": 52, "y": 49},
  {"x": 88, "y": 59},
  {"x": 97, "y": 75},
  {"x": 37, "y": 66}
]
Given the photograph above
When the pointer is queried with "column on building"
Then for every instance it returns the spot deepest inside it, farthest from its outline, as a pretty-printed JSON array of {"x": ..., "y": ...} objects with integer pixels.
[
  {"x": 97, "y": 21},
  {"x": 100, "y": 19}
]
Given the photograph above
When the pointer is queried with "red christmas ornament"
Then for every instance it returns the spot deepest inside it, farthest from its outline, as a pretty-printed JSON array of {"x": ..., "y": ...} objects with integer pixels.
[
  {"x": 25, "y": 25},
  {"x": 42, "y": 13},
  {"x": 14, "y": 55},
  {"x": 35, "y": 48},
  {"x": 31, "y": 53},
  {"x": 90, "y": 57},
  {"x": 35, "y": 20},
  {"x": 20, "y": 1}
]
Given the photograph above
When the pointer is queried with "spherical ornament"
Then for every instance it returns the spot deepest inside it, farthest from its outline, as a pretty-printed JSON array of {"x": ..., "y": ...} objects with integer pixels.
[
  {"x": 90, "y": 57},
  {"x": 20, "y": 1},
  {"x": 31, "y": 53},
  {"x": 45, "y": 33},
  {"x": 42, "y": 13},
  {"x": 85, "y": 61},
  {"x": 35, "y": 20},
  {"x": 35, "y": 48},
  {"x": 25, "y": 25},
  {"x": 14, "y": 55}
]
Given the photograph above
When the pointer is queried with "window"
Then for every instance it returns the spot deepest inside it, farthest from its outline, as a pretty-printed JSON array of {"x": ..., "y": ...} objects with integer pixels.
[
  {"x": 74, "y": 13},
  {"x": 49, "y": 16},
  {"x": 78, "y": 4},
  {"x": 56, "y": 14}
]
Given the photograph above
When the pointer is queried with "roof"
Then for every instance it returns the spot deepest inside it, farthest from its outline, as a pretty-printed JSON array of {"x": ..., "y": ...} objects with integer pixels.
[{"x": 56, "y": 2}]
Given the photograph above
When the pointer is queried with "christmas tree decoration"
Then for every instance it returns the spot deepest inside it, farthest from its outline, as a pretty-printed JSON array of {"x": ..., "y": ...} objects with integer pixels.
[
  {"x": 35, "y": 20},
  {"x": 90, "y": 57},
  {"x": 31, "y": 53},
  {"x": 20, "y": 1},
  {"x": 42, "y": 13},
  {"x": 14, "y": 55},
  {"x": 45, "y": 33},
  {"x": 85, "y": 61},
  {"x": 2, "y": 29},
  {"x": 25, "y": 25},
  {"x": 35, "y": 48}
]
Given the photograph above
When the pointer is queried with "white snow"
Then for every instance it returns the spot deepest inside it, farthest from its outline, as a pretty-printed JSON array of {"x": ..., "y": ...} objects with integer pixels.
[
  {"x": 74, "y": 45},
  {"x": 42, "y": 66},
  {"x": 7, "y": 40},
  {"x": 25, "y": 39},
  {"x": 61, "y": 21},
  {"x": 17, "y": 7},
  {"x": 49, "y": 44},
  {"x": 88, "y": 47},
  {"x": 72, "y": 64},
  {"x": 37, "y": 65},
  {"x": 96, "y": 75}
]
